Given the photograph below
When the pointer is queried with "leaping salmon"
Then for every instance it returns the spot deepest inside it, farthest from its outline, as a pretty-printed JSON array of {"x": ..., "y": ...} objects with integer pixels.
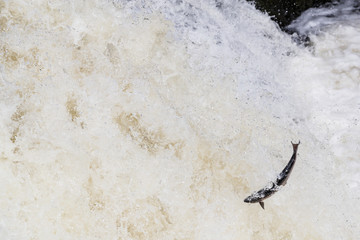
[{"x": 273, "y": 187}]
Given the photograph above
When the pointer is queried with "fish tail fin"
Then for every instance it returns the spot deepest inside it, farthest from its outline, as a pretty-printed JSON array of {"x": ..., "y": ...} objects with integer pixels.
[
  {"x": 295, "y": 146},
  {"x": 262, "y": 204}
]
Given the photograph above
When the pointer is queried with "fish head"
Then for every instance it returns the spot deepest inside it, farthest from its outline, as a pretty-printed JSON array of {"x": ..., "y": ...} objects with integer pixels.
[
  {"x": 248, "y": 199},
  {"x": 252, "y": 198}
]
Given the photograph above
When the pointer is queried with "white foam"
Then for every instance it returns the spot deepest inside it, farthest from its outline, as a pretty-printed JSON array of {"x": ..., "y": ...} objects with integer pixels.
[
  {"x": 317, "y": 20},
  {"x": 334, "y": 87},
  {"x": 154, "y": 120}
]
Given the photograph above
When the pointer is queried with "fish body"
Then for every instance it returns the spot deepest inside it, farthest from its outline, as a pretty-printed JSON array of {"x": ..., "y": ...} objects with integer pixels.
[{"x": 275, "y": 186}]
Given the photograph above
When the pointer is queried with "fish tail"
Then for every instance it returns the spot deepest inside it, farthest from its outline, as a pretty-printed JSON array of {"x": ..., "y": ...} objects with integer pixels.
[{"x": 295, "y": 146}]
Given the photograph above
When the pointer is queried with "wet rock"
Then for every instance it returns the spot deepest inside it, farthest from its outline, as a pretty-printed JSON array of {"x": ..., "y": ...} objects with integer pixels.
[{"x": 285, "y": 11}]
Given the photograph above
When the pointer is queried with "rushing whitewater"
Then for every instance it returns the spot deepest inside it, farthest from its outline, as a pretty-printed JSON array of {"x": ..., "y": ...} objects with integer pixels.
[{"x": 155, "y": 119}]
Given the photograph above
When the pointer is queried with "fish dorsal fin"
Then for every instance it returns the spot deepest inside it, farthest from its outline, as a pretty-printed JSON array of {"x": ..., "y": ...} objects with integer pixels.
[{"x": 262, "y": 204}]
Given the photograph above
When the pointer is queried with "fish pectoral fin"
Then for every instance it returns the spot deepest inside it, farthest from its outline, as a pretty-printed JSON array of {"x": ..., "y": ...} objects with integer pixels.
[{"x": 262, "y": 204}]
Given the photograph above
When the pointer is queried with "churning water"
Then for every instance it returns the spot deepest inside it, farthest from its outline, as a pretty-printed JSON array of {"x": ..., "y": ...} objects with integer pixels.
[{"x": 155, "y": 119}]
